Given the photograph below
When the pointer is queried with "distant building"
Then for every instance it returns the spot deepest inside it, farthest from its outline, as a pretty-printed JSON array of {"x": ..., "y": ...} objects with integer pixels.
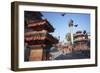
[{"x": 65, "y": 48}]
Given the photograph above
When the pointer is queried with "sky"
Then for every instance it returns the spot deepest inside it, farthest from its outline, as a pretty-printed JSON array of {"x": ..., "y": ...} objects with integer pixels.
[{"x": 60, "y": 23}]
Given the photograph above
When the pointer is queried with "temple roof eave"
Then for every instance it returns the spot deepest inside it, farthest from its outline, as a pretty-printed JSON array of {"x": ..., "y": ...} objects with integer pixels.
[
  {"x": 40, "y": 25},
  {"x": 45, "y": 37},
  {"x": 82, "y": 40}
]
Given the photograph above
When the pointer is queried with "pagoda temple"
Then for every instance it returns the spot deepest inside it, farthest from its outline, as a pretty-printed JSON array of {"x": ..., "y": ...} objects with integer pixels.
[
  {"x": 37, "y": 37},
  {"x": 81, "y": 41}
]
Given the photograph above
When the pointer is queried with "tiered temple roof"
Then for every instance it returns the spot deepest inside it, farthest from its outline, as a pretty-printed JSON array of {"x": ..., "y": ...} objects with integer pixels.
[
  {"x": 79, "y": 37},
  {"x": 40, "y": 33},
  {"x": 81, "y": 41}
]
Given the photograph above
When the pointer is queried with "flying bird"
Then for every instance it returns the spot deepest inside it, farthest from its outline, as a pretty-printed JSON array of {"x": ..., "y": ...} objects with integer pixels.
[
  {"x": 76, "y": 25},
  {"x": 63, "y": 14}
]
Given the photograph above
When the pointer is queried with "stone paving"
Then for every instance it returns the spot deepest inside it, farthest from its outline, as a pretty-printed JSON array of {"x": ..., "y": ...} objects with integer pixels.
[{"x": 58, "y": 55}]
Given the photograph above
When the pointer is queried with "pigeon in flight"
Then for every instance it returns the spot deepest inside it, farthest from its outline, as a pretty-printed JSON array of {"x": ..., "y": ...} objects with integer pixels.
[{"x": 63, "y": 14}]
